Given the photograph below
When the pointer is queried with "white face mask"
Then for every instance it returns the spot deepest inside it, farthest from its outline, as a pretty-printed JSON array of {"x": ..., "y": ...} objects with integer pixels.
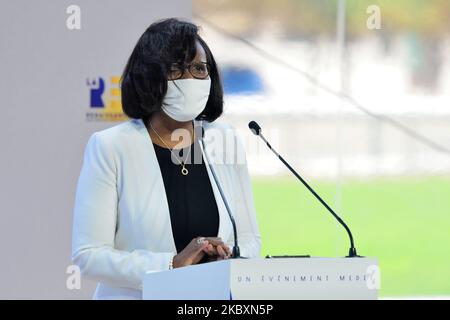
[{"x": 186, "y": 98}]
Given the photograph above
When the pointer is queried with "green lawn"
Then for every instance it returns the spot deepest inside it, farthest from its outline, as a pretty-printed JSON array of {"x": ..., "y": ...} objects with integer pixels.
[{"x": 404, "y": 222}]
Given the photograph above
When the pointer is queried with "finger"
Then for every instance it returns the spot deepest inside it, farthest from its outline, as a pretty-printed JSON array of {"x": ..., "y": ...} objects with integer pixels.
[
  {"x": 210, "y": 250},
  {"x": 199, "y": 242},
  {"x": 215, "y": 241},
  {"x": 201, "y": 246},
  {"x": 224, "y": 249},
  {"x": 227, "y": 250},
  {"x": 221, "y": 252}
]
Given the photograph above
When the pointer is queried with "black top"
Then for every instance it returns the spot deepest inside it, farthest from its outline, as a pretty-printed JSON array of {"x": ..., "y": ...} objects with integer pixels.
[{"x": 192, "y": 206}]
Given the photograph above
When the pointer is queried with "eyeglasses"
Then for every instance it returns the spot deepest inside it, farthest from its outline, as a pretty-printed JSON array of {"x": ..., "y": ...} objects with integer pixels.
[{"x": 199, "y": 70}]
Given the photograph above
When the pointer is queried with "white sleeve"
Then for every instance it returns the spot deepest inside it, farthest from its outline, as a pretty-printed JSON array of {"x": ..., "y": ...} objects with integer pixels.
[
  {"x": 94, "y": 225},
  {"x": 248, "y": 232}
]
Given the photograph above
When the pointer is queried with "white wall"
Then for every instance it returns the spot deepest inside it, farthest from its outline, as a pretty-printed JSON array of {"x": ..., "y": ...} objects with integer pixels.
[{"x": 44, "y": 101}]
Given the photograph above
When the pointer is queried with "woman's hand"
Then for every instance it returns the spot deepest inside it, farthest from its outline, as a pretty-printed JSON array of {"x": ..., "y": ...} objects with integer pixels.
[
  {"x": 191, "y": 254},
  {"x": 217, "y": 249},
  {"x": 214, "y": 247}
]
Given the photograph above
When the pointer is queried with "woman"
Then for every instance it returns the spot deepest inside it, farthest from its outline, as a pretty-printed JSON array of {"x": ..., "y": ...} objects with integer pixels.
[{"x": 146, "y": 198}]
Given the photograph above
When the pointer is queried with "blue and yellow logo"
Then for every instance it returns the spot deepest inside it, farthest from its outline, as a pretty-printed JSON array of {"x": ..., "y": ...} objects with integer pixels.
[{"x": 104, "y": 107}]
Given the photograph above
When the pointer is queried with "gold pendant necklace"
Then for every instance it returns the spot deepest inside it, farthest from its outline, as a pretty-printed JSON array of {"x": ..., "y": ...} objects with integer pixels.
[{"x": 184, "y": 171}]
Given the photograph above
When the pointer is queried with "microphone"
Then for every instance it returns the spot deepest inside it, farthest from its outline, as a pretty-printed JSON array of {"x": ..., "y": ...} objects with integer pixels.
[
  {"x": 256, "y": 129},
  {"x": 236, "y": 253}
]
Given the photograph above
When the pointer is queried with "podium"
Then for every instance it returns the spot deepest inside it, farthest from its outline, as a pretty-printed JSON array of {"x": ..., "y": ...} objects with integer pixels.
[{"x": 267, "y": 279}]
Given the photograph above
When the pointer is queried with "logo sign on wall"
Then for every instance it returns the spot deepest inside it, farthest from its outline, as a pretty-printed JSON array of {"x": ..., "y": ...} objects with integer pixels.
[{"x": 105, "y": 100}]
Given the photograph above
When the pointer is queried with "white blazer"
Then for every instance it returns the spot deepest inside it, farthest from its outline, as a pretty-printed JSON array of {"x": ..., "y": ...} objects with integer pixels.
[{"x": 121, "y": 226}]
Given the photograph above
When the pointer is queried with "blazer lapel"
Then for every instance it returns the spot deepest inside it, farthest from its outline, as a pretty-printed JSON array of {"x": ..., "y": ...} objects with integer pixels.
[{"x": 156, "y": 215}]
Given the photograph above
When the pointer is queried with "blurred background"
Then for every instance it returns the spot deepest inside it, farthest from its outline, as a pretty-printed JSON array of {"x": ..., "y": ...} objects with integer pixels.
[
  {"x": 361, "y": 111},
  {"x": 354, "y": 94}
]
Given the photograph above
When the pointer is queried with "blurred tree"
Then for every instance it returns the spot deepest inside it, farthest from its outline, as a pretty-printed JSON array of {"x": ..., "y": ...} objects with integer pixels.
[
  {"x": 303, "y": 18},
  {"x": 422, "y": 23}
]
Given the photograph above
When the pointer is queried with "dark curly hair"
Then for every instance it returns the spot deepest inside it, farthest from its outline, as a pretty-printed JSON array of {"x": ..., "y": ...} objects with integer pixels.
[{"x": 144, "y": 80}]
